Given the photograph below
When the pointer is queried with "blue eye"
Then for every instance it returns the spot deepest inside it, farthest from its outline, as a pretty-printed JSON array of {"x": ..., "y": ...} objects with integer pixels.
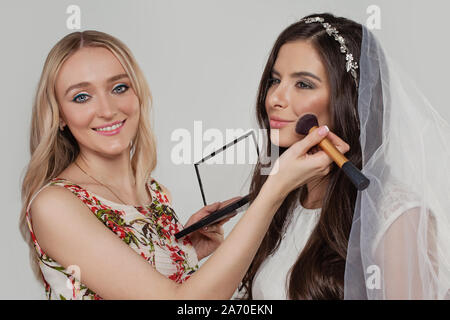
[
  {"x": 81, "y": 98},
  {"x": 121, "y": 88}
]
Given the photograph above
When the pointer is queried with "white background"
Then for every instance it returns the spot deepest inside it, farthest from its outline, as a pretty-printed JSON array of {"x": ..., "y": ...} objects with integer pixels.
[{"x": 203, "y": 61}]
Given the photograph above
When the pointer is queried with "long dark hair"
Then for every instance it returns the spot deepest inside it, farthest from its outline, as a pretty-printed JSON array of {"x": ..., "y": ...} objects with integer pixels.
[{"x": 318, "y": 272}]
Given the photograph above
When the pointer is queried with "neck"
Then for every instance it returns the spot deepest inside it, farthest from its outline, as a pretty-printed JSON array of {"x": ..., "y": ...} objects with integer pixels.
[
  {"x": 316, "y": 192},
  {"x": 113, "y": 171}
]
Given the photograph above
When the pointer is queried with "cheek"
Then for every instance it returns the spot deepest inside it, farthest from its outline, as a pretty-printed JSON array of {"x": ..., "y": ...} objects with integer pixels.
[
  {"x": 284, "y": 137},
  {"x": 315, "y": 104},
  {"x": 77, "y": 116},
  {"x": 130, "y": 106},
  {"x": 267, "y": 103}
]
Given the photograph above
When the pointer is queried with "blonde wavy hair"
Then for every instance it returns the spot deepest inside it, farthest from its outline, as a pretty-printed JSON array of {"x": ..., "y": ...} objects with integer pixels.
[{"x": 53, "y": 150}]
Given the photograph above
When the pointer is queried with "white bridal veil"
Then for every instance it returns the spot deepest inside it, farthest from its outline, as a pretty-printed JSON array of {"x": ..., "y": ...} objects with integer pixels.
[{"x": 399, "y": 245}]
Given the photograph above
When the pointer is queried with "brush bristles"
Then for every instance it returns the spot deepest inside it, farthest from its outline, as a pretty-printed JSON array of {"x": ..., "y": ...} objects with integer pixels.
[{"x": 305, "y": 123}]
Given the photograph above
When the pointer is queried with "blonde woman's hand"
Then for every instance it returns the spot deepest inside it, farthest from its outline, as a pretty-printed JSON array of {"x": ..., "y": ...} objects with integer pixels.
[
  {"x": 207, "y": 239},
  {"x": 296, "y": 166}
]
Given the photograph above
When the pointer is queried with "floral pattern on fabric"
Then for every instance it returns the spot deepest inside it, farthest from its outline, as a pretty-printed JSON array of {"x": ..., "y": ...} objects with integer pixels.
[{"x": 149, "y": 230}]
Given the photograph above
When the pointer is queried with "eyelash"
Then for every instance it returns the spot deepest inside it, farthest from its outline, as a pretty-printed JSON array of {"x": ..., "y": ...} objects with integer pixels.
[
  {"x": 272, "y": 81},
  {"x": 75, "y": 99},
  {"x": 78, "y": 96},
  {"x": 121, "y": 85},
  {"x": 308, "y": 86}
]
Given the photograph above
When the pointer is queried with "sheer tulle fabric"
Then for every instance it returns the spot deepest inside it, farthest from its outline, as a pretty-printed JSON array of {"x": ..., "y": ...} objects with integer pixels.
[{"x": 399, "y": 245}]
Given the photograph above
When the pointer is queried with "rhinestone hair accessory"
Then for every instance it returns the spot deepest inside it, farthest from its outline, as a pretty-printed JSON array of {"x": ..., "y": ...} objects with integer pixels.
[{"x": 351, "y": 65}]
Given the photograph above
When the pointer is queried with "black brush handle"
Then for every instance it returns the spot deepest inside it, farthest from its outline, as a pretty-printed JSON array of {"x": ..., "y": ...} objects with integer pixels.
[
  {"x": 214, "y": 217},
  {"x": 357, "y": 177}
]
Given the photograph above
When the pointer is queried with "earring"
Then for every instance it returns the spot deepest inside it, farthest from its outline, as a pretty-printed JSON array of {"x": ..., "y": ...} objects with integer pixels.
[{"x": 61, "y": 127}]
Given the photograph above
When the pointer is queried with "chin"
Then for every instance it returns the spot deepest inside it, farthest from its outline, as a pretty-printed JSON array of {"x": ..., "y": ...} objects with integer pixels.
[
  {"x": 283, "y": 141},
  {"x": 114, "y": 150}
]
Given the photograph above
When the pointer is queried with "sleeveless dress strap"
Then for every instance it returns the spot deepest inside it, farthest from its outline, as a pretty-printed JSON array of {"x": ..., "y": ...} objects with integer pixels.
[
  {"x": 157, "y": 192},
  {"x": 29, "y": 222}
]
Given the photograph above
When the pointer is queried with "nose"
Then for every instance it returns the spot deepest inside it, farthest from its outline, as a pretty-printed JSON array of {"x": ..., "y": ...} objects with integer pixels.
[
  {"x": 105, "y": 106},
  {"x": 278, "y": 97}
]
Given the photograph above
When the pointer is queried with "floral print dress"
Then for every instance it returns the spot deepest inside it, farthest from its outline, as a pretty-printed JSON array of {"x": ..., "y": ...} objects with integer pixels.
[{"x": 148, "y": 230}]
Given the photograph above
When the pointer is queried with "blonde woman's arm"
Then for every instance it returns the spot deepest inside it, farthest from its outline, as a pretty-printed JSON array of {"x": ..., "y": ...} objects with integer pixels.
[{"x": 69, "y": 233}]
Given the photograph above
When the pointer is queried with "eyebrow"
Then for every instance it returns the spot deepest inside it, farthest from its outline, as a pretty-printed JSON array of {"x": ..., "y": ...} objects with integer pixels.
[
  {"x": 86, "y": 84},
  {"x": 300, "y": 74}
]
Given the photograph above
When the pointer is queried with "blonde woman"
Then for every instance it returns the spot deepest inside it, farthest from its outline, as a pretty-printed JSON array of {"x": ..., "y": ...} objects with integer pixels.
[{"x": 92, "y": 155}]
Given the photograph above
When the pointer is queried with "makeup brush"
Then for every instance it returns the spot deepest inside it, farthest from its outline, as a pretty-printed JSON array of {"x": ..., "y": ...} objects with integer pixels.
[{"x": 309, "y": 123}]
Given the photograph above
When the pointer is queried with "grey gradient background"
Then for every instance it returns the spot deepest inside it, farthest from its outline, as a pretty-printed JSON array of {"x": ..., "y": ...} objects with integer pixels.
[{"x": 203, "y": 61}]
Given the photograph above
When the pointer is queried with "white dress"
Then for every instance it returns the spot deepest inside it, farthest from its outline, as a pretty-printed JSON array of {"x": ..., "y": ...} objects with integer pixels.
[{"x": 270, "y": 281}]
